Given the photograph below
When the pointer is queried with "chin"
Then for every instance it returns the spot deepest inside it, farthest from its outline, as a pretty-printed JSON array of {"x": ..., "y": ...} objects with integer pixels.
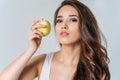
[
  {"x": 65, "y": 42},
  {"x": 68, "y": 42}
]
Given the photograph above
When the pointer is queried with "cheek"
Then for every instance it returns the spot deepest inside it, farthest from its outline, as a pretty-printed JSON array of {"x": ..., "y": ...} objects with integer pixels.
[
  {"x": 57, "y": 27},
  {"x": 57, "y": 30},
  {"x": 75, "y": 31}
]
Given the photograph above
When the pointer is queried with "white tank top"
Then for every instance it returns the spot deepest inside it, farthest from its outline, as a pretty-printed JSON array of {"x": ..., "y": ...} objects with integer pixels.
[{"x": 45, "y": 72}]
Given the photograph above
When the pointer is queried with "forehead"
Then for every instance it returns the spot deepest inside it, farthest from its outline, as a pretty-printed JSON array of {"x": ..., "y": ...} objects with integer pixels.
[{"x": 67, "y": 10}]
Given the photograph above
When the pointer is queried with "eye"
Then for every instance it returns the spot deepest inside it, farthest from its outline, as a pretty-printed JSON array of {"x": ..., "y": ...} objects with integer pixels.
[
  {"x": 73, "y": 20},
  {"x": 59, "y": 21}
]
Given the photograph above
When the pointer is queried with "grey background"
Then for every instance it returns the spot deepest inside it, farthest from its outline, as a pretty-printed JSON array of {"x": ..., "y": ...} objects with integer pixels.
[{"x": 16, "y": 17}]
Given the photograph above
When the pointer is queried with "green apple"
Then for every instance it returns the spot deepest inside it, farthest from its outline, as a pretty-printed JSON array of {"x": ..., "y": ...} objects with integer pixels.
[{"x": 45, "y": 30}]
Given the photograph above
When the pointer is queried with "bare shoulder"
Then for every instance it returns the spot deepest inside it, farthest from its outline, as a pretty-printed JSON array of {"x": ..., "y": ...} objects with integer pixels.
[
  {"x": 33, "y": 67},
  {"x": 39, "y": 61}
]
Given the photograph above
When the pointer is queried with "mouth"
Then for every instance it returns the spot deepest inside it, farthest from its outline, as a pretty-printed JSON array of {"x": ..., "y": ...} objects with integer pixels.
[{"x": 64, "y": 33}]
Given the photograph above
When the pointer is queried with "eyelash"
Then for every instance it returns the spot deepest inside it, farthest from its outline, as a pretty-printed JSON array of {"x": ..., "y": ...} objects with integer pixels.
[
  {"x": 71, "y": 20},
  {"x": 59, "y": 21}
]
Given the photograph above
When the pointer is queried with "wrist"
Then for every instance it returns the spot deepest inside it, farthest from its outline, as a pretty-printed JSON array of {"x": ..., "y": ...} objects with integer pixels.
[{"x": 31, "y": 50}]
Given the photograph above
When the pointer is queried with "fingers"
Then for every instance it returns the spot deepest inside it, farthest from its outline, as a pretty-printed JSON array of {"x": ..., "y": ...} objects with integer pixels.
[
  {"x": 35, "y": 34},
  {"x": 35, "y": 22},
  {"x": 37, "y": 25}
]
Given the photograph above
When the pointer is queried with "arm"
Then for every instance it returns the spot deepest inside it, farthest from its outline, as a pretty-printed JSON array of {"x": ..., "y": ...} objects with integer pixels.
[
  {"x": 33, "y": 68},
  {"x": 15, "y": 69}
]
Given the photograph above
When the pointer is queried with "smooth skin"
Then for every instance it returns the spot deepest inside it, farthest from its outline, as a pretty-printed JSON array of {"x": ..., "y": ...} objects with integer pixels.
[{"x": 64, "y": 62}]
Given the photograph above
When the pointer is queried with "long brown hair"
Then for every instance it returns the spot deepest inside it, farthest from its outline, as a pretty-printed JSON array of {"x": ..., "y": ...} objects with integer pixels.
[{"x": 93, "y": 62}]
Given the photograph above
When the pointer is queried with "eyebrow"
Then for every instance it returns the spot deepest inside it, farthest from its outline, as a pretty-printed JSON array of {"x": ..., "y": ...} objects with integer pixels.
[
  {"x": 73, "y": 15},
  {"x": 69, "y": 16}
]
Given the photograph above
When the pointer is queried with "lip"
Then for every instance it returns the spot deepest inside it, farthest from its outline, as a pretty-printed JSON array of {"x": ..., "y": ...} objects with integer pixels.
[{"x": 64, "y": 33}]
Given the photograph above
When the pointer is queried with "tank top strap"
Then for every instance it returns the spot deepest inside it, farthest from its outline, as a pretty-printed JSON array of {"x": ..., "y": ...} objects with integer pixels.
[{"x": 46, "y": 67}]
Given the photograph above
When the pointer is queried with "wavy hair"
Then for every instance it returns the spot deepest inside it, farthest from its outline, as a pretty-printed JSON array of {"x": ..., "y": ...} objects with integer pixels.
[{"x": 93, "y": 62}]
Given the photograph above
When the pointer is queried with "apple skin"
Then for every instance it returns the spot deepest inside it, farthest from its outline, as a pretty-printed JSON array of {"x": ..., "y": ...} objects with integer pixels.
[{"x": 45, "y": 30}]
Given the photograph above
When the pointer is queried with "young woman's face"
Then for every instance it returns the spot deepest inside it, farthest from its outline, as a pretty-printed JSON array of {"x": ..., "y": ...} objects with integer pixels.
[{"x": 67, "y": 25}]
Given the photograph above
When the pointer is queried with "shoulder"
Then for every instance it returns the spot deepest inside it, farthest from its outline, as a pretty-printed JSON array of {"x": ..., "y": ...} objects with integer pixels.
[
  {"x": 39, "y": 60},
  {"x": 31, "y": 69},
  {"x": 36, "y": 60}
]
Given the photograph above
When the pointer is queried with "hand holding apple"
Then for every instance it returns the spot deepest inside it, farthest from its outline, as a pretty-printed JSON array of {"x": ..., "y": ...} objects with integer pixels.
[{"x": 45, "y": 30}]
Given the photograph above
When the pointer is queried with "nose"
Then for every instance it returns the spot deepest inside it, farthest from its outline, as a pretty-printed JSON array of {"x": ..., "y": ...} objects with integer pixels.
[{"x": 65, "y": 26}]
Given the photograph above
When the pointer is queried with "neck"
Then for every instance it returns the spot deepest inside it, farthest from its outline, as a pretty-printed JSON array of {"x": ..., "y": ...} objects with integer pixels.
[{"x": 69, "y": 54}]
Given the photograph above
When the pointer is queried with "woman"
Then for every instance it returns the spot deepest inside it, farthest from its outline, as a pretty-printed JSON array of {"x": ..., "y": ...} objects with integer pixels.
[{"x": 81, "y": 57}]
